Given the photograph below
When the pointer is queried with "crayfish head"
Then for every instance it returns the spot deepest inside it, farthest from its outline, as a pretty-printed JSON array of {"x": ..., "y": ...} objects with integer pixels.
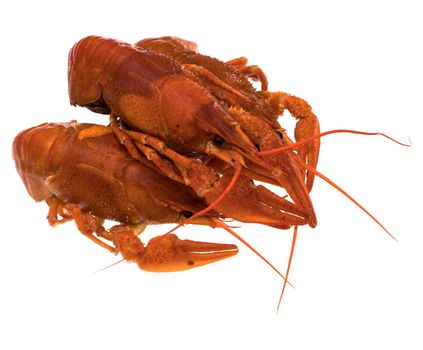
[{"x": 168, "y": 253}]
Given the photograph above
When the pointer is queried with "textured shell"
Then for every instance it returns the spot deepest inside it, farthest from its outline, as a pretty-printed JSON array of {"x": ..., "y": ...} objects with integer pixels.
[
  {"x": 86, "y": 165},
  {"x": 95, "y": 60}
]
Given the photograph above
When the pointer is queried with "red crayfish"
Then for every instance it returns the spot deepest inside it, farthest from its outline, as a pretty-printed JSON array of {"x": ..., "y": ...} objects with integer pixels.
[
  {"x": 188, "y": 136},
  {"x": 85, "y": 174},
  {"x": 192, "y": 111}
]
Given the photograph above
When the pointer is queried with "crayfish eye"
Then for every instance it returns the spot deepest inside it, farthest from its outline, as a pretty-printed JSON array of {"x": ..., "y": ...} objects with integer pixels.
[
  {"x": 280, "y": 133},
  {"x": 187, "y": 213},
  {"x": 218, "y": 140}
]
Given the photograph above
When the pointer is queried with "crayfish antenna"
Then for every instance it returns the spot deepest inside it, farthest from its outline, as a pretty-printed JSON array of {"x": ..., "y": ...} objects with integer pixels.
[
  {"x": 291, "y": 254},
  {"x": 334, "y": 185},
  {"x": 108, "y": 266},
  {"x": 325, "y": 133},
  {"x": 325, "y": 178},
  {"x": 219, "y": 223}
]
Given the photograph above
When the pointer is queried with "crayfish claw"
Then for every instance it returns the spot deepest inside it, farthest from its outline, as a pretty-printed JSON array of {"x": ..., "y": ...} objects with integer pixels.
[
  {"x": 168, "y": 253},
  {"x": 247, "y": 202}
]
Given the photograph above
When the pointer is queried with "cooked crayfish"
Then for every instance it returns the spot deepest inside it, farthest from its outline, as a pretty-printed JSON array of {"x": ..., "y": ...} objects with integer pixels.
[
  {"x": 190, "y": 109},
  {"x": 188, "y": 136},
  {"x": 85, "y": 174}
]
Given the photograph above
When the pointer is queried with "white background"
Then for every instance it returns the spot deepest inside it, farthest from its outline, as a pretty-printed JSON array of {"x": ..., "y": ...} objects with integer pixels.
[{"x": 358, "y": 64}]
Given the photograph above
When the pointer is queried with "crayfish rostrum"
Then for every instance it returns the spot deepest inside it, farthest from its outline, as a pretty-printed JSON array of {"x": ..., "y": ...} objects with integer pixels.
[{"x": 188, "y": 136}]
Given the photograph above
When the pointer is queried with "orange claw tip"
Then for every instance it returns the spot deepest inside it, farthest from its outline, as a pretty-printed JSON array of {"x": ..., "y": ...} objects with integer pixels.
[{"x": 168, "y": 253}]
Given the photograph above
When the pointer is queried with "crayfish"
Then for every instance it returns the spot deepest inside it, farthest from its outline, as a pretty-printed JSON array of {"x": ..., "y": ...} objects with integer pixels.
[
  {"x": 188, "y": 136},
  {"x": 192, "y": 111},
  {"x": 85, "y": 174}
]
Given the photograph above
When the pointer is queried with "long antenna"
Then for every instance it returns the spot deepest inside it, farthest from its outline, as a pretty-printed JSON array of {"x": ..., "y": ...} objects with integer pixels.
[
  {"x": 337, "y": 131},
  {"x": 291, "y": 254},
  {"x": 334, "y": 185},
  {"x": 238, "y": 237}
]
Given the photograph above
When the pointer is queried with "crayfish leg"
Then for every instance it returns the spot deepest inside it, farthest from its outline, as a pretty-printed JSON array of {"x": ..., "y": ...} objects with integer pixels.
[
  {"x": 133, "y": 147},
  {"x": 253, "y": 72},
  {"x": 193, "y": 172},
  {"x": 87, "y": 224},
  {"x": 213, "y": 79},
  {"x": 53, "y": 212},
  {"x": 238, "y": 62}
]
